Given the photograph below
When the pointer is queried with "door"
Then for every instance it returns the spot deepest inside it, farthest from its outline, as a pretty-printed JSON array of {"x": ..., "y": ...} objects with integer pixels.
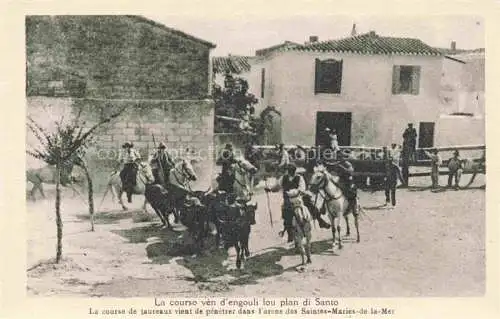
[
  {"x": 426, "y": 134},
  {"x": 341, "y": 121}
]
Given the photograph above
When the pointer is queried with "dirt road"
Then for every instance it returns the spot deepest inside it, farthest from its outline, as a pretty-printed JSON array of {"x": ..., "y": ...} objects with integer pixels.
[{"x": 431, "y": 244}]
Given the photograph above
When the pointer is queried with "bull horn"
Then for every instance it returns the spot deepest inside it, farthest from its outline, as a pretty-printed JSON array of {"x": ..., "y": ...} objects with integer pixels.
[{"x": 209, "y": 189}]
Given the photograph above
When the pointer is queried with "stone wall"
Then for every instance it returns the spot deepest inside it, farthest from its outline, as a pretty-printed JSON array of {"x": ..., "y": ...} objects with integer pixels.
[
  {"x": 185, "y": 126},
  {"x": 114, "y": 57}
]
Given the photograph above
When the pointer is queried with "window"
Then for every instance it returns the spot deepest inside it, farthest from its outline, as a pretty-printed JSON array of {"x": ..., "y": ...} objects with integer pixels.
[
  {"x": 262, "y": 82},
  {"x": 405, "y": 79},
  {"x": 328, "y": 78}
]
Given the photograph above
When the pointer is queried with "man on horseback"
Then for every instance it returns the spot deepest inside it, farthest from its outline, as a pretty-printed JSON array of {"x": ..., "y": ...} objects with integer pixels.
[
  {"x": 128, "y": 175},
  {"x": 346, "y": 171},
  {"x": 293, "y": 185},
  {"x": 226, "y": 178},
  {"x": 161, "y": 164}
]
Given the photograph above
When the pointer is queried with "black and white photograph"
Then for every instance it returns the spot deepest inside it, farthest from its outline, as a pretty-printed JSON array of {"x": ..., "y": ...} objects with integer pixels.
[{"x": 302, "y": 156}]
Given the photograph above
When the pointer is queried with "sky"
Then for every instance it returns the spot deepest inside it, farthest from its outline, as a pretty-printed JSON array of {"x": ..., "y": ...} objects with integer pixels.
[{"x": 242, "y": 36}]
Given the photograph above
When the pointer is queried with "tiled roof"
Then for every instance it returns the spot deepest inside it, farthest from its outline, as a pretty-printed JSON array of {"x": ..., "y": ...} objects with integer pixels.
[
  {"x": 170, "y": 30},
  {"x": 449, "y": 51},
  {"x": 233, "y": 64},
  {"x": 281, "y": 46},
  {"x": 371, "y": 43}
]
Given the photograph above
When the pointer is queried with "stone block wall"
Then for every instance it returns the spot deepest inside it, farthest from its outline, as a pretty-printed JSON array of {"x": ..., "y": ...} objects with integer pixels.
[{"x": 185, "y": 126}]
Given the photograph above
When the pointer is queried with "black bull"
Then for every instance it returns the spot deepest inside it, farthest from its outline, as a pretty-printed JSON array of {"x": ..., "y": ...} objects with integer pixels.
[{"x": 202, "y": 208}]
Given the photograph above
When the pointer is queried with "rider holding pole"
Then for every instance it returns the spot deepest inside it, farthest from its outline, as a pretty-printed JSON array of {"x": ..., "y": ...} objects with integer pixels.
[
  {"x": 292, "y": 185},
  {"x": 128, "y": 175},
  {"x": 161, "y": 164}
]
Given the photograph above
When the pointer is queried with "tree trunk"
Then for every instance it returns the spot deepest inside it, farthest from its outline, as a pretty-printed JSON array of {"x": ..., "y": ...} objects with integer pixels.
[
  {"x": 58, "y": 214},
  {"x": 90, "y": 195}
]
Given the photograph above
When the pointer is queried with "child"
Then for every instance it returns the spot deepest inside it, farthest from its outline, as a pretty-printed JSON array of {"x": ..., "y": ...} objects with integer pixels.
[
  {"x": 435, "y": 163},
  {"x": 455, "y": 168}
]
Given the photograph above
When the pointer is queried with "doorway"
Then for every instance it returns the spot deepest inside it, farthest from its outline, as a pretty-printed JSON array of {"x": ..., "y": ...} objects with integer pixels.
[
  {"x": 426, "y": 134},
  {"x": 341, "y": 121}
]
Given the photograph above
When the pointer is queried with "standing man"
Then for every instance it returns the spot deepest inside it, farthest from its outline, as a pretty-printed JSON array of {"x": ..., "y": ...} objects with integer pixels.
[
  {"x": 292, "y": 186},
  {"x": 455, "y": 168},
  {"x": 435, "y": 163},
  {"x": 129, "y": 158},
  {"x": 395, "y": 155},
  {"x": 410, "y": 141},
  {"x": 333, "y": 144},
  {"x": 284, "y": 159},
  {"x": 391, "y": 182},
  {"x": 161, "y": 164}
]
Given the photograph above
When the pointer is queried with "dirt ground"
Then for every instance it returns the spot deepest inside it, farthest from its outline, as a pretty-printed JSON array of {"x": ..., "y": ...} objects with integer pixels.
[{"x": 432, "y": 244}]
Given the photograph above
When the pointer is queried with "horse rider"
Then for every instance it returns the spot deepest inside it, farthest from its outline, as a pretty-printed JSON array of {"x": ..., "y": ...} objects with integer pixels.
[
  {"x": 226, "y": 178},
  {"x": 455, "y": 168},
  {"x": 129, "y": 158},
  {"x": 161, "y": 164},
  {"x": 292, "y": 185},
  {"x": 346, "y": 171}
]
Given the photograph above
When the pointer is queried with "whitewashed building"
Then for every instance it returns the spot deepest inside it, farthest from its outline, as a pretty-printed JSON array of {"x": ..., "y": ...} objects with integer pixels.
[{"x": 368, "y": 87}]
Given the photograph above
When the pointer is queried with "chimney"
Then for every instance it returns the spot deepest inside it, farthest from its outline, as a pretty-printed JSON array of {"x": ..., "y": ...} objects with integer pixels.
[
  {"x": 453, "y": 45},
  {"x": 313, "y": 38},
  {"x": 353, "y": 31}
]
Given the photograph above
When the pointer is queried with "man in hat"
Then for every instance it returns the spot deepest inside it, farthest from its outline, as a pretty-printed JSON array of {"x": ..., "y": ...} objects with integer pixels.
[
  {"x": 161, "y": 164},
  {"x": 410, "y": 141},
  {"x": 332, "y": 149},
  {"x": 346, "y": 171},
  {"x": 226, "y": 177},
  {"x": 284, "y": 158},
  {"x": 455, "y": 168},
  {"x": 129, "y": 159},
  {"x": 292, "y": 185}
]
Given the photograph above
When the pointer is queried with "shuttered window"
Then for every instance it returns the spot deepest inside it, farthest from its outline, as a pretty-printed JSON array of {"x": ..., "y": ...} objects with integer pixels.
[
  {"x": 328, "y": 76},
  {"x": 406, "y": 79}
]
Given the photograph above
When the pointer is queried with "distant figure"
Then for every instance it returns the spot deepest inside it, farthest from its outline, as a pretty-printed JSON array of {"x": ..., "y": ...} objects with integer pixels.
[
  {"x": 435, "y": 163},
  {"x": 394, "y": 154},
  {"x": 333, "y": 144},
  {"x": 410, "y": 141},
  {"x": 390, "y": 180},
  {"x": 129, "y": 158},
  {"x": 284, "y": 158},
  {"x": 455, "y": 168}
]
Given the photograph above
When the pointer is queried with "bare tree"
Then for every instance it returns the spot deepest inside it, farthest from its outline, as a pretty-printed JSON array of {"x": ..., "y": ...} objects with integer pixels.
[{"x": 64, "y": 148}]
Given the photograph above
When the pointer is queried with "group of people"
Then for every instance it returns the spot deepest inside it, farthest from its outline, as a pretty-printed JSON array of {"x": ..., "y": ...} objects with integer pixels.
[{"x": 161, "y": 164}]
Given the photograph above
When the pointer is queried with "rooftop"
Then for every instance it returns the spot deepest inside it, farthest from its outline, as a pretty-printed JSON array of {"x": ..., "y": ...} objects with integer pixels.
[
  {"x": 234, "y": 64},
  {"x": 369, "y": 43}
]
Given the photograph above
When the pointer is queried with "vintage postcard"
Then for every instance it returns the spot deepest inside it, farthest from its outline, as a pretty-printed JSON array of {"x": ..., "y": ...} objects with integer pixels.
[{"x": 308, "y": 162}]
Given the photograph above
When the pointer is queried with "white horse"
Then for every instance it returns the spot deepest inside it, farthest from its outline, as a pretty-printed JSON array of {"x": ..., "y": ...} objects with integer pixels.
[
  {"x": 301, "y": 222},
  {"x": 180, "y": 177},
  {"x": 144, "y": 176},
  {"x": 47, "y": 175},
  {"x": 336, "y": 202}
]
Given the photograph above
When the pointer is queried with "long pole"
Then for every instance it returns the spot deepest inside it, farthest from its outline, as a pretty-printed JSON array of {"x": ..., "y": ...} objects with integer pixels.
[{"x": 269, "y": 206}]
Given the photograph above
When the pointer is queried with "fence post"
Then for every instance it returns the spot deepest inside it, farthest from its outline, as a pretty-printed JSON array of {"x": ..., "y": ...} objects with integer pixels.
[{"x": 405, "y": 165}]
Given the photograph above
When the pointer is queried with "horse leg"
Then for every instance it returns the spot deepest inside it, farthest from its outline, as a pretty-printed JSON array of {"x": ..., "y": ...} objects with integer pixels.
[
  {"x": 356, "y": 224},
  {"x": 238, "y": 255},
  {"x": 32, "y": 193},
  {"x": 308, "y": 247},
  {"x": 120, "y": 201},
  {"x": 338, "y": 231},
  {"x": 348, "y": 231},
  {"x": 160, "y": 215},
  {"x": 40, "y": 187}
]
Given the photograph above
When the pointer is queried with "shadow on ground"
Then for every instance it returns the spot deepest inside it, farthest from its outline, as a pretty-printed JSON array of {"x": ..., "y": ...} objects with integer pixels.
[{"x": 115, "y": 216}]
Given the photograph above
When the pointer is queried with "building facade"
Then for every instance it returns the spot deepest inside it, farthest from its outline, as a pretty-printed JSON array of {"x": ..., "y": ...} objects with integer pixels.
[{"x": 368, "y": 87}]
